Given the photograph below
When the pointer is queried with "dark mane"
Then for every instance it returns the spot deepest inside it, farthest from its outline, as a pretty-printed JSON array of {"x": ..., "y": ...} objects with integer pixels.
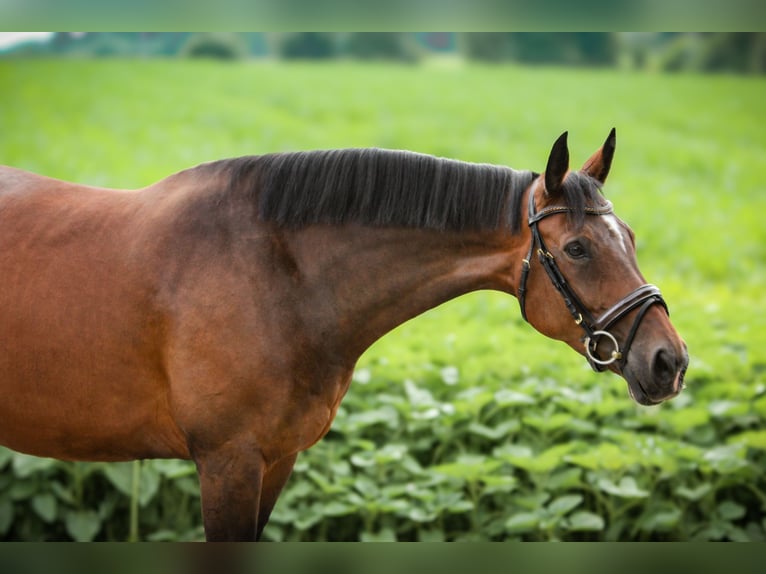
[{"x": 380, "y": 188}]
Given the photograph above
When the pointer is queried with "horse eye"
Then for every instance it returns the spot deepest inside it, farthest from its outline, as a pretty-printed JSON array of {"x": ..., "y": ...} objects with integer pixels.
[{"x": 575, "y": 250}]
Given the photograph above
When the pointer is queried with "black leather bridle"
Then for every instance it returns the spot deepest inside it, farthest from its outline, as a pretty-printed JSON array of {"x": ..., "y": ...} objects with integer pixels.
[{"x": 643, "y": 297}]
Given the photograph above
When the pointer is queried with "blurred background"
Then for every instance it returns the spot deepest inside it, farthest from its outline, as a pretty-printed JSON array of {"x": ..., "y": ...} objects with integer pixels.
[
  {"x": 463, "y": 424},
  {"x": 673, "y": 51}
]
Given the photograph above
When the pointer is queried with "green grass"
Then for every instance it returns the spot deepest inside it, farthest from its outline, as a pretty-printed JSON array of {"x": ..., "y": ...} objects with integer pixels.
[{"x": 463, "y": 423}]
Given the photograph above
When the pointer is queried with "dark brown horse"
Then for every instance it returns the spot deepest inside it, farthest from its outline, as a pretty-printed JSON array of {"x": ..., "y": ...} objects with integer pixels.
[{"x": 217, "y": 315}]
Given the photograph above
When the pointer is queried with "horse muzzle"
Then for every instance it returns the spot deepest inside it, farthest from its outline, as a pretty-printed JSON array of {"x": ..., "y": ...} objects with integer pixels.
[{"x": 658, "y": 379}]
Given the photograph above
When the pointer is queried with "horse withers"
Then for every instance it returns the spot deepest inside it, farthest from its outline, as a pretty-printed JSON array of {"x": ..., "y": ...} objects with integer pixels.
[{"x": 217, "y": 315}]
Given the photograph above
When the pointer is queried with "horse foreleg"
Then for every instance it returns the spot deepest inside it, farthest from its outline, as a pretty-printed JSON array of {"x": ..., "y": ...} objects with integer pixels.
[
  {"x": 273, "y": 482},
  {"x": 231, "y": 479}
]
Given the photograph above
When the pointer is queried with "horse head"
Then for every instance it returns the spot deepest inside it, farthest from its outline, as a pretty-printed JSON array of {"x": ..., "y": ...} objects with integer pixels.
[{"x": 581, "y": 283}]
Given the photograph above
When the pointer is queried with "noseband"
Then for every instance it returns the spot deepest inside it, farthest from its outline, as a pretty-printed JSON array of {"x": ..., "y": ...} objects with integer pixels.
[{"x": 643, "y": 297}]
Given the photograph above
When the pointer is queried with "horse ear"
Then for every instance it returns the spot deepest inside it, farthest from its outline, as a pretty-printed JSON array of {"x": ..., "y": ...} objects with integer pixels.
[
  {"x": 599, "y": 163},
  {"x": 558, "y": 165}
]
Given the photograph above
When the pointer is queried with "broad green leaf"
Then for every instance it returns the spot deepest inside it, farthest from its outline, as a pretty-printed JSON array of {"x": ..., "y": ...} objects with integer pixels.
[
  {"x": 362, "y": 459},
  {"x": 418, "y": 396},
  {"x": 683, "y": 420},
  {"x": 308, "y": 517},
  {"x": 522, "y": 522},
  {"x": 366, "y": 487},
  {"x": 565, "y": 478},
  {"x": 496, "y": 433},
  {"x": 149, "y": 484},
  {"x": 22, "y": 490},
  {"x": 730, "y": 510},
  {"x": 470, "y": 468},
  {"x": 752, "y": 439},
  {"x": 417, "y": 514},
  {"x": 694, "y": 494},
  {"x": 605, "y": 456},
  {"x": 728, "y": 459},
  {"x": 62, "y": 493},
  {"x": 335, "y": 508},
  {"x": 25, "y": 465},
  {"x": 325, "y": 485},
  {"x": 45, "y": 505},
  {"x": 726, "y": 408},
  {"x": 513, "y": 451},
  {"x": 584, "y": 521},
  {"x": 534, "y": 501},
  {"x": 120, "y": 474},
  {"x": 627, "y": 488},
  {"x": 188, "y": 485},
  {"x": 385, "y": 415},
  {"x": 499, "y": 483},
  {"x": 543, "y": 462},
  {"x": 508, "y": 397},
  {"x": 172, "y": 468},
  {"x": 563, "y": 504},
  {"x": 82, "y": 525},
  {"x": 550, "y": 423},
  {"x": 661, "y": 520}
]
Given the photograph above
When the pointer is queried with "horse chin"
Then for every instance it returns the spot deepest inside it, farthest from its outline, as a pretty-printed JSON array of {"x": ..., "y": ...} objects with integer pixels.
[
  {"x": 642, "y": 397},
  {"x": 639, "y": 396}
]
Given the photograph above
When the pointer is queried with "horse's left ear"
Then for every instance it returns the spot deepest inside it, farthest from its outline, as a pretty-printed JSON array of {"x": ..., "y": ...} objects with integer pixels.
[{"x": 599, "y": 163}]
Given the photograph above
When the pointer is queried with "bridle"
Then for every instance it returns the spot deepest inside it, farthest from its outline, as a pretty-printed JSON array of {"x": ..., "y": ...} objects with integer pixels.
[{"x": 643, "y": 297}]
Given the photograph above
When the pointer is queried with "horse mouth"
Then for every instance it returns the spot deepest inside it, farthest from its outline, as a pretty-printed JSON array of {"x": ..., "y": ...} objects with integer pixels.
[{"x": 638, "y": 392}]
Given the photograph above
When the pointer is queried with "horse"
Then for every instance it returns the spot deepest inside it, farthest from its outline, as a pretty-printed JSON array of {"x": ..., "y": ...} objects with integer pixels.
[{"x": 217, "y": 315}]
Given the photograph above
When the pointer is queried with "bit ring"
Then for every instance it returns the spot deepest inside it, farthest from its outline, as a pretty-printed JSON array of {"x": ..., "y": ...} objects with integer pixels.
[{"x": 616, "y": 354}]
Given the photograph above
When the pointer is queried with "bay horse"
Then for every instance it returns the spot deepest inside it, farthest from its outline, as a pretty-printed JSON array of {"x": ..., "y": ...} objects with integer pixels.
[{"x": 217, "y": 315}]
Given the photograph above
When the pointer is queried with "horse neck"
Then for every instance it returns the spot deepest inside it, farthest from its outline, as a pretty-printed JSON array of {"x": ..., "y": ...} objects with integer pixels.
[{"x": 366, "y": 281}]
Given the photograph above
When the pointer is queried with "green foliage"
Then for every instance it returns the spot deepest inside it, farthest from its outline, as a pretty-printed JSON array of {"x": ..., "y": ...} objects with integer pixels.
[
  {"x": 588, "y": 48},
  {"x": 219, "y": 46},
  {"x": 463, "y": 424},
  {"x": 379, "y": 46},
  {"x": 714, "y": 52},
  {"x": 486, "y": 46},
  {"x": 307, "y": 46}
]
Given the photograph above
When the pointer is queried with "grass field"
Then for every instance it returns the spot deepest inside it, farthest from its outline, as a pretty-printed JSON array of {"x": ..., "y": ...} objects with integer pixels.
[{"x": 463, "y": 423}]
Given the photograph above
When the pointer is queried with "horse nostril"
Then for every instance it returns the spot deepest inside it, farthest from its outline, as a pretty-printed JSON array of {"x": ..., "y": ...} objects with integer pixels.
[{"x": 663, "y": 366}]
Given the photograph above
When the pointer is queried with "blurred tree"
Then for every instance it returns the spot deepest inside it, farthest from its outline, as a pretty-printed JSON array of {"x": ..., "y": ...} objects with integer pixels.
[
  {"x": 743, "y": 52},
  {"x": 307, "y": 45},
  {"x": 217, "y": 45},
  {"x": 577, "y": 48},
  {"x": 730, "y": 51},
  {"x": 380, "y": 45},
  {"x": 486, "y": 46}
]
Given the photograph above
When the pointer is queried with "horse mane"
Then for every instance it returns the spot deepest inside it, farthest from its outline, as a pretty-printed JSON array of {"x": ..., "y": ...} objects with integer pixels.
[
  {"x": 382, "y": 188},
  {"x": 580, "y": 191}
]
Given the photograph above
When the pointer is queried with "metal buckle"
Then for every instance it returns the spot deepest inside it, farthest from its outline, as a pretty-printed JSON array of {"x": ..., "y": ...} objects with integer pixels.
[{"x": 616, "y": 354}]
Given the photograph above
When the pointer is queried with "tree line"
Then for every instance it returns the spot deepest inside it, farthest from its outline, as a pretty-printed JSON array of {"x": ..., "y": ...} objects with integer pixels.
[{"x": 702, "y": 52}]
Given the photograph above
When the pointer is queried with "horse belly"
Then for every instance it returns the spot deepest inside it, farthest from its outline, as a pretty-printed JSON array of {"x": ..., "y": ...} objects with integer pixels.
[{"x": 69, "y": 416}]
